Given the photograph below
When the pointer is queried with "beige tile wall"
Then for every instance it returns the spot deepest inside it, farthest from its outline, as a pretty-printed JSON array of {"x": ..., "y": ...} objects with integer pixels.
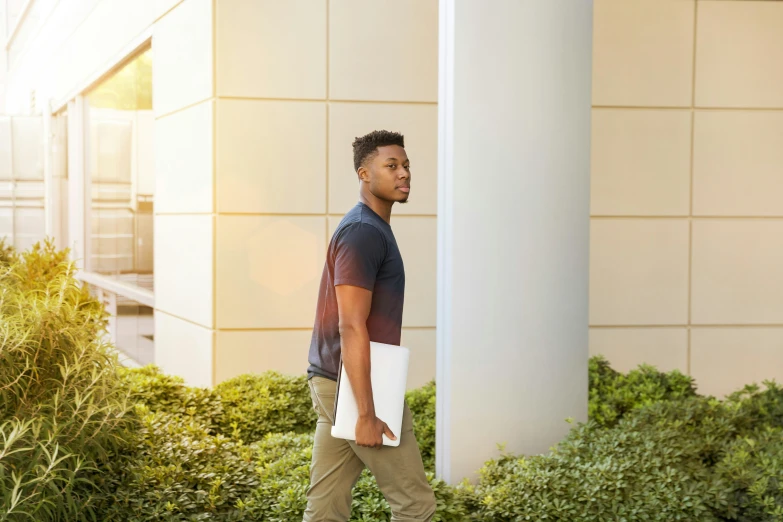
[
  {"x": 271, "y": 157},
  {"x": 272, "y": 49},
  {"x": 183, "y": 57},
  {"x": 184, "y": 348},
  {"x": 268, "y": 269},
  {"x": 185, "y": 219},
  {"x": 288, "y": 105},
  {"x": 687, "y": 178},
  {"x": 184, "y": 267},
  {"x": 375, "y": 56},
  {"x": 184, "y": 165}
]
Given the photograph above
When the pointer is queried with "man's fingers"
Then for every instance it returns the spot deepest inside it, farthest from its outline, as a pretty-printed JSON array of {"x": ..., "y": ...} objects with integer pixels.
[
  {"x": 377, "y": 443},
  {"x": 388, "y": 432}
]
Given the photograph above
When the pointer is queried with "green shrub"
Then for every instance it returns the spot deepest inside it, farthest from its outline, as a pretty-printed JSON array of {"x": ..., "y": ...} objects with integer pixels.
[
  {"x": 188, "y": 460},
  {"x": 647, "y": 467},
  {"x": 62, "y": 412},
  {"x": 695, "y": 458},
  {"x": 754, "y": 468},
  {"x": 254, "y": 405},
  {"x": 762, "y": 406},
  {"x": 739, "y": 440},
  {"x": 176, "y": 470},
  {"x": 179, "y": 472},
  {"x": 168, "y": 394},
  {"x": 753, "y": 461},
  {"x": 613, "y": 394},
  {"x": 8, "y": 255},
  {"x": 283, "y": 465},
  {"x": 422, "y": 404},
  {"x": 246, "y": 407}
]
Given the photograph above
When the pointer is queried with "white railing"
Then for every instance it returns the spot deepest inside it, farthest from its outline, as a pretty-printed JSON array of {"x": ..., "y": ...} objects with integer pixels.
[{"x": 140, "y": 295}]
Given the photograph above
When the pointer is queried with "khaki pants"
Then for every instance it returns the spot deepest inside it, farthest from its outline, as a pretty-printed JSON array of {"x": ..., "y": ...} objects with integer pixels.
[{"x": 337, "y": 464}]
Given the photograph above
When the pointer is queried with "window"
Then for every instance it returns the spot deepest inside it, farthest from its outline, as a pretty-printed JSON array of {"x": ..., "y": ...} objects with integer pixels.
[
  {"x": 119, "y": 179},
  {"x": 121, "y": 166},
  {"x": 22, "y": 216}
]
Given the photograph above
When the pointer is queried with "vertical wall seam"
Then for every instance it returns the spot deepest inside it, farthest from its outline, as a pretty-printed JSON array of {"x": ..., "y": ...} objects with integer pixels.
[
  {"x": 690, "y": 210},
  {"x": 214, "y": 223},
  {"x": 13, "y": 179},
  {"x": 328, "y": 114}
]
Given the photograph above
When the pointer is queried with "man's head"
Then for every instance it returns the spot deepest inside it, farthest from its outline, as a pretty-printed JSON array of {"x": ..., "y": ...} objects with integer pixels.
[{"x": 382, "y": 165}]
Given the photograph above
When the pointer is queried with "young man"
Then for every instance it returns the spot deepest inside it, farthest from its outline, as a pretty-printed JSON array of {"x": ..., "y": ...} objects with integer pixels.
[{"x": 360, "y": 300}]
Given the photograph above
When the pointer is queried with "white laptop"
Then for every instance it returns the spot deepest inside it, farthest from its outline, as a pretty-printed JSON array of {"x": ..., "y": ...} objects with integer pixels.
[{"x": 389, "y": 375}]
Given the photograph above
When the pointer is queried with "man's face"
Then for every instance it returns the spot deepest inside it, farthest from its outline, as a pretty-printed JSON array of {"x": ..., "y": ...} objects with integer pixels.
[{"x": 389, "y": 174}]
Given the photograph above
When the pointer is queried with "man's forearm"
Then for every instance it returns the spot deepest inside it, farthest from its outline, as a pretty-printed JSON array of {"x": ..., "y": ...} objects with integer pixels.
[{"x": 356, "y": 359}]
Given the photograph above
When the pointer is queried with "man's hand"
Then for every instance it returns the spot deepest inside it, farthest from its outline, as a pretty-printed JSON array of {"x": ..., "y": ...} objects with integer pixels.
[{"x": 370, "y": 430}]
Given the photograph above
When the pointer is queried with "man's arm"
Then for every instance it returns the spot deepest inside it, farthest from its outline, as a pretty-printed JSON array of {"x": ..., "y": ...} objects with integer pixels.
[{"x": 353, "y": 306}]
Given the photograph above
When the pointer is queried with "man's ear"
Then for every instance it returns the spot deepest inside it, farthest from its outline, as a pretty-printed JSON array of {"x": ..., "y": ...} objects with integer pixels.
[{"x": 363, "y": 173}]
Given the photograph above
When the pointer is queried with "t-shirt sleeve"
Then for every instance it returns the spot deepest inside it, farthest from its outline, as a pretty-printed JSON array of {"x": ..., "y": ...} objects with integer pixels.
[{"x": 358, "y": 255}]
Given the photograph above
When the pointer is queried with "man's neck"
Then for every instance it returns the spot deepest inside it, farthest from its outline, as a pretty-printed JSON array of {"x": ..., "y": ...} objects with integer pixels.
[{"x": 379, "y": 206}]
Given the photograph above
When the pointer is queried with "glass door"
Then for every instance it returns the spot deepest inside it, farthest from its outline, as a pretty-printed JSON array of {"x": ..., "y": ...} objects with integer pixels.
[{"x": 111, "y": 200}]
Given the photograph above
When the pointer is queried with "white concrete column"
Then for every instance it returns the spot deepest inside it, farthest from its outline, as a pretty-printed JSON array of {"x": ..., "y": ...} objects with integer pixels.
[{"x": 513, "y": 236}]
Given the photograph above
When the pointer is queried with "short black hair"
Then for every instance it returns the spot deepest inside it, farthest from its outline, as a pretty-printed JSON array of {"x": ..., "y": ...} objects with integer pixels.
[{"x": 366, "y": 146}]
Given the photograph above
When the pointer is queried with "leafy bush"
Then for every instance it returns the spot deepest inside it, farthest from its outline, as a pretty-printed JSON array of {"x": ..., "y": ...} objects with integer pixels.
[
  {"x": 254, "y": 405},
  {"x": 176, "y": 470},
  {"x": 246, "y": 407},
  {"x": 761, "y": 407},
  {"x": 639, "y": 469},
  {"x": 168, "y": 395},
  {"x": 189, "y": 460},
  {"x": 283, "y": 469},
  {"x": 754, "y": 468},
  {"x": 179, "y": 472},
  {"x": 422, "y": 404},
  {"x": 753, "y": 460},
  {"x": 613, "y": 394},
  {"x": 8, "y": 254},
  {"x": 62, "y": 411},
  {"x": 689, "y": 459}
]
